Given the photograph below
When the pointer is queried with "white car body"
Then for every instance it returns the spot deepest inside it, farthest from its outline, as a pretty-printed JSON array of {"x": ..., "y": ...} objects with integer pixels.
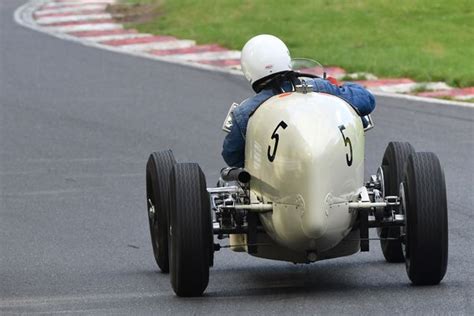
[{"x": 309, "y": 180}]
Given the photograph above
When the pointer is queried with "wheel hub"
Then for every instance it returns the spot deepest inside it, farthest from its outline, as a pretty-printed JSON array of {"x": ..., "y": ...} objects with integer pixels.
[{"x": 151, "y": 210}]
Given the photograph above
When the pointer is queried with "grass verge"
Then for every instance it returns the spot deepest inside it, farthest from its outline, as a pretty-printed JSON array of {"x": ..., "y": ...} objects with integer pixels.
[{"x": 427, "y": 40}]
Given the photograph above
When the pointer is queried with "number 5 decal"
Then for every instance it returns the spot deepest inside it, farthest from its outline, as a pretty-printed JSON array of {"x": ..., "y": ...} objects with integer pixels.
[
  {"x": 276, "y": 137},
  {"x": 347, "y": 141}
]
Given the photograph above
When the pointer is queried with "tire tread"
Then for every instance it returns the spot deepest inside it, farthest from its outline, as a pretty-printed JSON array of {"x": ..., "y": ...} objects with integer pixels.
[
  {"x": 191, "y": 228},
  {"x": 158, "y": 169},
  {"x": 427, "y": 219}
]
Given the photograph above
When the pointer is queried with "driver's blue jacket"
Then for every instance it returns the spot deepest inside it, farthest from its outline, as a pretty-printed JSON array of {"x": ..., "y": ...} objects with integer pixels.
[{"x": 233, "y": 150}]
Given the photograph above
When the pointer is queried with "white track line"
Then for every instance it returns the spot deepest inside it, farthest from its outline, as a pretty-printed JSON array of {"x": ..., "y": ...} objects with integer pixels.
[
  {"x": 464, "y": 97},
  {"x": 73, "y": 18},
  {"x": 422, "y": 99},
  {"x": 83, "y": 27},
  {"x": 208, "y": 56},
  {"x": 114, "y": 37},
  {"x": 174, "y": 44},
  {"x": 88, "y": 7}
]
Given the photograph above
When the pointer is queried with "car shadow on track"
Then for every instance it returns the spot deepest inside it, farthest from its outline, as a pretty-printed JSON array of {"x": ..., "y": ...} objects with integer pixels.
[{"x": 340, "y": 277}]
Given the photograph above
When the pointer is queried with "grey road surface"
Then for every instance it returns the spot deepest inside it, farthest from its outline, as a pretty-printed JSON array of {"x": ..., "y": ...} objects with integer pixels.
[{"x": 77, "y": 125}]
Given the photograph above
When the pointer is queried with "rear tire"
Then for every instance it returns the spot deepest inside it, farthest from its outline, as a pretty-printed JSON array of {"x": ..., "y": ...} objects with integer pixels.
[
  {"x": 424, "y": 203},
  {"x": 393, "y": 165},
  {"x": 157, "y": 185},
  {"x": 191, "y": 237}
]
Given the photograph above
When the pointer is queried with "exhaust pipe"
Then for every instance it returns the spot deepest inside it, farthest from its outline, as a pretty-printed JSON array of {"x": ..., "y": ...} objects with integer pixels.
[{"x": 235, "y": 174}]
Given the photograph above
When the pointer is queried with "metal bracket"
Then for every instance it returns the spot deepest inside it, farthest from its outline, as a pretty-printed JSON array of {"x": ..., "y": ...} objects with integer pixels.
[
  {"x": 227, "y": 125},
  {"x": 364, "y": 229},
  {"x": 260, "y": 207},
  {"x": 370, "y": 123},
  {"x": 229, "y": 189},
  {"x": 392, "y": 200},
  {"x": 304, "y": 87},
  {"x": 252, "y": 233}
]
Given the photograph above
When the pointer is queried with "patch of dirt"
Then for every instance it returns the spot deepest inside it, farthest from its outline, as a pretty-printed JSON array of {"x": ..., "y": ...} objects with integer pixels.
[{"x": 135, "y": 13}]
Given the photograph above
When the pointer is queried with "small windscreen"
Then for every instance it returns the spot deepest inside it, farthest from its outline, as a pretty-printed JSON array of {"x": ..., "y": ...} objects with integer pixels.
[{"x": 308, "y": 66}]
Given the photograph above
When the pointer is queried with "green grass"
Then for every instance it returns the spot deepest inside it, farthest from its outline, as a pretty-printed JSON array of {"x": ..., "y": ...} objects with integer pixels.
[{"x": 427, "y": 40}]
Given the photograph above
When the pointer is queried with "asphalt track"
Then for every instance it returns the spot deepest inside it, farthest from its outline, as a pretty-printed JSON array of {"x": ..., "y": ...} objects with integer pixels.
[{"x": 77, "y": 125}]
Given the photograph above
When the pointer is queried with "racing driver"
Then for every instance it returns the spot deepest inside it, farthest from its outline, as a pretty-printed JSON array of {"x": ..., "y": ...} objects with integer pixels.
[{"x": 263, "y": 58}]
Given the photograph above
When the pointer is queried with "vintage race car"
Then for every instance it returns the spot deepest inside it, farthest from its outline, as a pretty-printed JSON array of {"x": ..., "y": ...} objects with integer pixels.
[{"x": 301, "y": 196}]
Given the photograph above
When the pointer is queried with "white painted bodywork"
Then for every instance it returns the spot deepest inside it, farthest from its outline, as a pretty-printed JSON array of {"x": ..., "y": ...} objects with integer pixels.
[{"x": 309, "y": 180}]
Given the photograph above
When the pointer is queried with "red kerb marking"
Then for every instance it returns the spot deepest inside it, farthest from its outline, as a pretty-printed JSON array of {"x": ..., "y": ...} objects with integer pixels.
[
  {"x": 189, "y": 50},
  {"x": 383, "y": 82},
  {"x": 139, "y": 40},
  {"x": 99, "y": 21},
  {"x": 82, "y": 2},
  {"x": 84, "y": 12},
  {"x": 221, "y": 62},
  {"x": 69, "y": 5},
  {"x": 101, "y": 33}
]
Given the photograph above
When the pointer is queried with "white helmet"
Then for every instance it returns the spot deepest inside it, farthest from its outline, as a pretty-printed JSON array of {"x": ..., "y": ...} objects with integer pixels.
[{"x": 262, "y": 56}]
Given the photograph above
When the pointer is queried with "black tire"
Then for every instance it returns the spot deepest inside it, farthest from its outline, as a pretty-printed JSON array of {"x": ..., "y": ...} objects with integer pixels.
[
  {"x": 191, "y": 237},
  {"x": 424, "y": 204},
  {"x": 393, "y": 165},
  {"x": 158, "y": 169}
]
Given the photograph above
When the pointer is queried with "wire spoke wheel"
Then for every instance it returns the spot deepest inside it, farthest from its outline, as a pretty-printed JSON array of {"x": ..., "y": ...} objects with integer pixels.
[{"x": 393, "y": 166}]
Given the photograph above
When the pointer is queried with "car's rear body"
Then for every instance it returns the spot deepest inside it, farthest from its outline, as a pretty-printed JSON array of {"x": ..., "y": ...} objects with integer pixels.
[{"x": 305, "y": 153}]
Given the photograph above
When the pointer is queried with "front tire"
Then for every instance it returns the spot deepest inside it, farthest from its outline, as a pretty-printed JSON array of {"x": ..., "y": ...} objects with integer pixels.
[
  {"x": 191, "y": 237},
  {"x": 393, "y": 166},
  {"x": 423, "y": 194}
]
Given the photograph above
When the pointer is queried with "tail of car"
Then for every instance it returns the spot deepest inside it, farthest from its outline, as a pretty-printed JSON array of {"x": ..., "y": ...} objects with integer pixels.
[{"x": 293, "y": 141}]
